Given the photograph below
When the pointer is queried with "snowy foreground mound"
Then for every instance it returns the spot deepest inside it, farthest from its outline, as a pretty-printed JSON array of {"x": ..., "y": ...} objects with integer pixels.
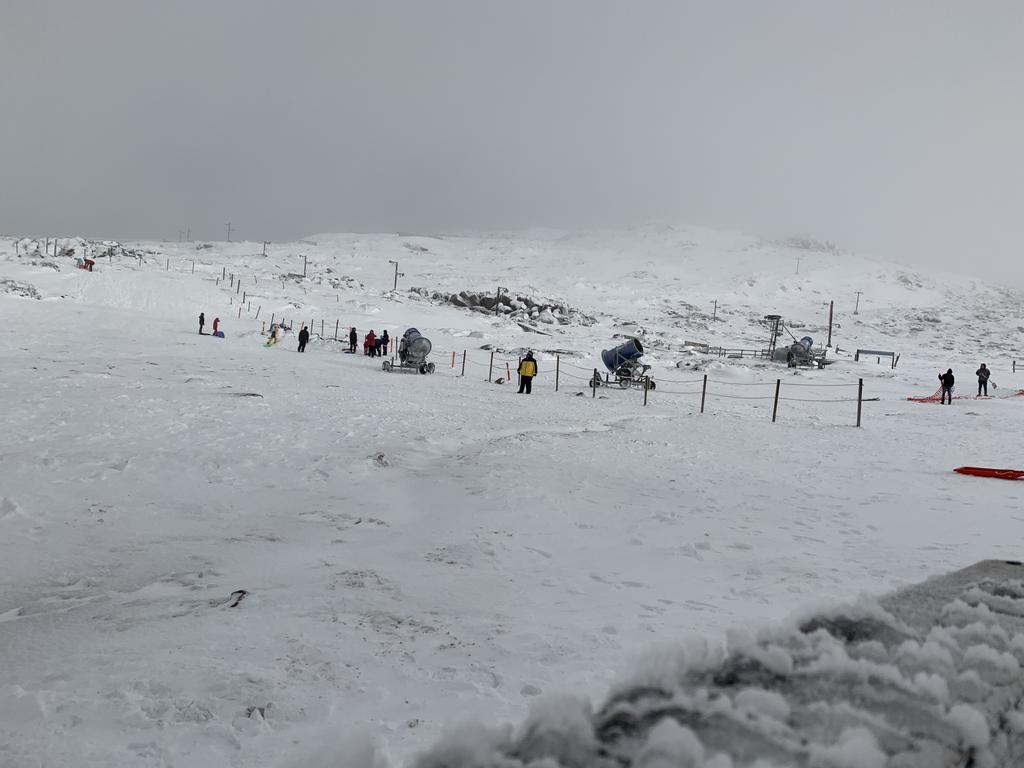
[{"x": 926, "y": 678}]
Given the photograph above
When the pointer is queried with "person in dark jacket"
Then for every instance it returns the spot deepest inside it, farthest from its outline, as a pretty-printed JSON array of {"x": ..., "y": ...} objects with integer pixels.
[
  {"x": 303, "y": 339},
  {"x": 527, "y": 370},
  {"x": 947, "y": 381},
  {"x": 983, "y": 373},
  {"x": 384, "y": 341},
  {"x": 352, "y": 339},
  {"x": 202, "y": 322}
]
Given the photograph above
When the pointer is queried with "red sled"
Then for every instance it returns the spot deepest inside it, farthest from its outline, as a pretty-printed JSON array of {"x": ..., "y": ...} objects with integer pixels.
[{"x": 1002, "y": 474}]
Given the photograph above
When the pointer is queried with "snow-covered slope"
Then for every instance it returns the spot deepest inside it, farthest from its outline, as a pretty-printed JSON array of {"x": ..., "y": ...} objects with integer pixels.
[{"x": 422, "y": 549}]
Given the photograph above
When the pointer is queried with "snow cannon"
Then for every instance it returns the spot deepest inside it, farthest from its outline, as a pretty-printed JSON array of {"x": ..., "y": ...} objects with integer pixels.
[
  {"x": 630, "y": 352},
  {"x": 413, "y": 349},
  {"x": 806, "y": 342},
  {"x": 624, "y": 363}
]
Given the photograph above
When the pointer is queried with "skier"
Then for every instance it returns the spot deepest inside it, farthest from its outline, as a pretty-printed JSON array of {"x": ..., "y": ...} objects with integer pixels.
[
  {"x": 947, "y": 381},
  {"x": 527, "y": 370},
  {"x": 368, "y": 343},
  {"x": 303, "y": 339},
  {"x": 202, "y": 322},
  {"x": 384, "y": 341},
  {"x": 216, "y": 322},
  {"x": 352, "y": 339},
  {"x": 983, "y": 373}
]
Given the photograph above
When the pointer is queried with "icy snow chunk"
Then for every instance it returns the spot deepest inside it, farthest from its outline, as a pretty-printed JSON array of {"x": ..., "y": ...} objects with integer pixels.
[
  {"x": 670, "y": 745},
  {"x": 760, "y": 701},
  {"x": 855, "y": 748},
  {"x": 971, "y": 723},
  {"x": 560, "y": 727},
  {"x": 934, "y": 685}
]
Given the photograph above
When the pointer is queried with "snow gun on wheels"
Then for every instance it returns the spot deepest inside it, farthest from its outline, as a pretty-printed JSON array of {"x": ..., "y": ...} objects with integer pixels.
[
  {"x": 623, "y": 362},
  {"x": 413, "y": 349}
]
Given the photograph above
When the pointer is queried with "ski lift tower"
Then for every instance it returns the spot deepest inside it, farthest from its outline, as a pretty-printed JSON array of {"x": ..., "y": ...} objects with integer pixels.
[{"x": 774, "y": 322}]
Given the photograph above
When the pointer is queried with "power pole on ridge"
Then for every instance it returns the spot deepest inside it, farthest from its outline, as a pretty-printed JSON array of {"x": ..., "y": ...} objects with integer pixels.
[
  {"x": 228, "y": 225},
  {"x": 397, "y": 273}
]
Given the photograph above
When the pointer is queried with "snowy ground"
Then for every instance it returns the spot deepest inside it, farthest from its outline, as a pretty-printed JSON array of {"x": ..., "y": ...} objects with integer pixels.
[{"x": 419, "y": 550}]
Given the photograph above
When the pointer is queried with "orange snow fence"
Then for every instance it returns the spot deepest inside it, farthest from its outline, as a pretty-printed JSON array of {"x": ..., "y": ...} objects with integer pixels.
[
  {"x": 1002, "y": 474},
  {"x": 937, "y": 397}
]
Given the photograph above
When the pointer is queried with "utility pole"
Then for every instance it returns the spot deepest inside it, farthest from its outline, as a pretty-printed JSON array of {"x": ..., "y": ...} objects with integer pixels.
[
  {"x": 831, "y": 304},
  {"x": 714, "y": 312},
  {"x": 228, "y": 225},
  {"x": 397, "y": 273},
  {"x": 181, "y": 235},
  {"x": 798, "y": 264},
  {"x": 497, "y": 298},
  {"x": 188, "y": 234},
  {"x": 265, "y": 244},
  {"x": 858, "y": 302}
]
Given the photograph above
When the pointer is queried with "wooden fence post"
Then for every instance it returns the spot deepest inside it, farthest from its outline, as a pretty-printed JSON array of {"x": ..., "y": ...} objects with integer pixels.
[
  {"x": 860, "y": 398},
  {"x": 321, "y": 328},
  {"x": 239, "y": 311},
  {"x": 593, "y": 384},
  {"x": 558, "y": 365},
  {"x": 1014, "y": 366},
  {"x": 258, "y": 311},
  {"x": 647, "y": 386},
  {"x": 223, "y": 272},
  {"x": 168, "y": 267},
  {"x": 193, "y": 266},
  {"x": 775, "y": 408},
  {"x": 271, "y": 319},
  {"x": 244, "y": 294},
  {"x": 490, "y": 368},
  {"x": 336, "y": 322},
  {"x": 463, "y": 362},
  {"x": 703, "y": 393},
  {"x": 508, "y": 372}
]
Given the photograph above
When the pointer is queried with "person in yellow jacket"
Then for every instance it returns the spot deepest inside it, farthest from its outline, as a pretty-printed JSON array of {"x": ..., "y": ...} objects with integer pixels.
[{"x": 527, "y": 370}]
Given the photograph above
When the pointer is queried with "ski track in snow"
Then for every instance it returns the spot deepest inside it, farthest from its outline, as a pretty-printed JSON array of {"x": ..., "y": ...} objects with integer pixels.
[{"x": 418, "y": 550}]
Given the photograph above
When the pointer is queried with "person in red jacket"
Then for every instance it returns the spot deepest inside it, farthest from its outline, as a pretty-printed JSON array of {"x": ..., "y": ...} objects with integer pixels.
[
  {"x": 368, "y": 343},
  {"x": 216, "y": 322}
]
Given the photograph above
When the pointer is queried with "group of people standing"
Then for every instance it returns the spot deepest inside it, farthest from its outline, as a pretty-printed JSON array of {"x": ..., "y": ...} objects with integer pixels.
[
  {"x": 947, "y": 381},
  {"x": 373, "y": 345}
]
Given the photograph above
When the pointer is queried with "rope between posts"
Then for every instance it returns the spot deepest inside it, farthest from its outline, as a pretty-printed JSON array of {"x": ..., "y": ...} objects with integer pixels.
[
  {"x": 794, "y": 384},
  {"x": 659, "y": 390},
  {"x": 741, "y": 383},
  {"x": 823, "y": 400},
  {"x": 742, "y": 397},
  {"x": 678, "y": 381}
]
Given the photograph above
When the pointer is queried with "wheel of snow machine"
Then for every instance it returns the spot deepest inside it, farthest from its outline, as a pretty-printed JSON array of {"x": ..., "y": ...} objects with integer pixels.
[
  {"x": 430, "y": 367},
  {"x": 625, "y": 383},
  {"x": 595, "y": 381},
  {"x": 651, "y": 385},
  {"x": 423, "y": 368},
  {"x": 387, "y": 366}
]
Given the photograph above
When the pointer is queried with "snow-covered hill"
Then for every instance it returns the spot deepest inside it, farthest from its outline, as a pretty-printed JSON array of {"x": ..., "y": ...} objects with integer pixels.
[{"x": 414, "y": 549}]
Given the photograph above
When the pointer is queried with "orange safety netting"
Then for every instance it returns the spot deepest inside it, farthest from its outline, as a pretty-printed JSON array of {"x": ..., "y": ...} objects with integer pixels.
[{"x": 937, "y": 397}]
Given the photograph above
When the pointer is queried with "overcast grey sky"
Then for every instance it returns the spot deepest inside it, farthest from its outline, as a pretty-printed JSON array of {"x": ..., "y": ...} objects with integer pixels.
[{"x": 895, "y": 128}]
